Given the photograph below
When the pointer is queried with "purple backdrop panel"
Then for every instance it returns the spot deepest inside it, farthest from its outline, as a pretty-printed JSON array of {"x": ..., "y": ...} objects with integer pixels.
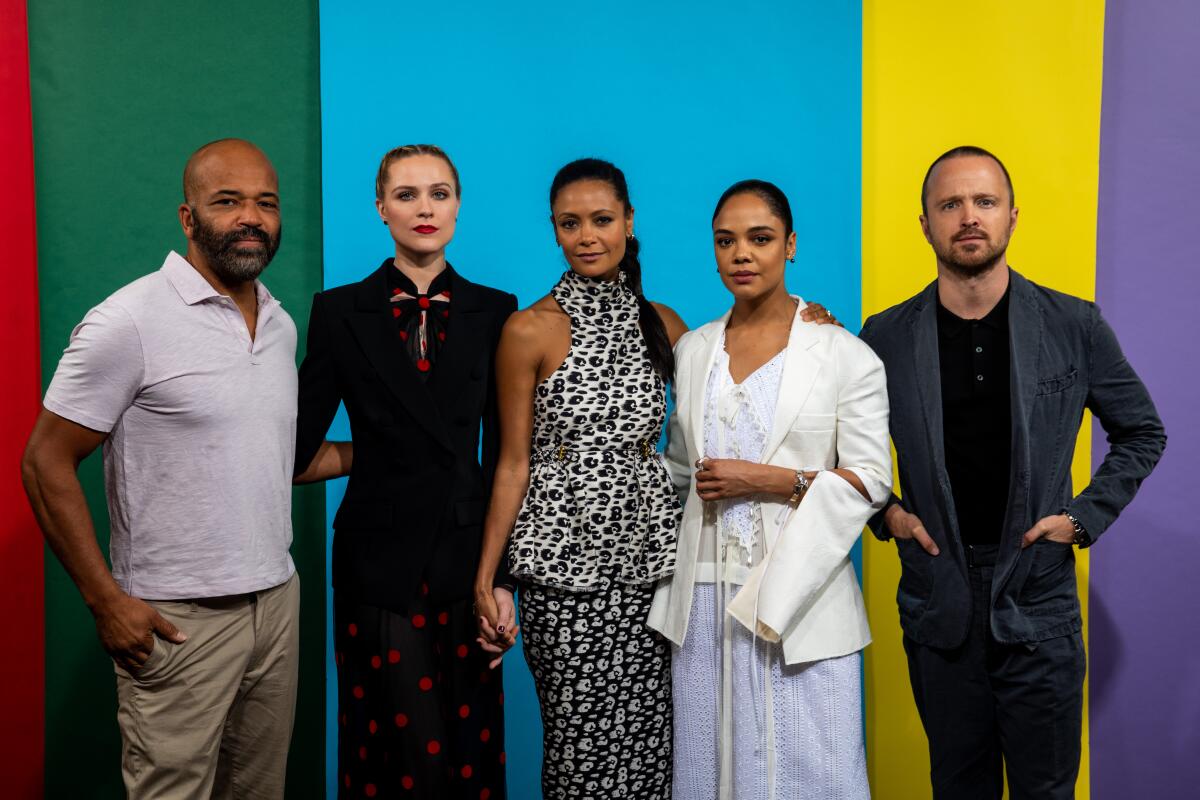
[{"x": 1145, "y": 586}]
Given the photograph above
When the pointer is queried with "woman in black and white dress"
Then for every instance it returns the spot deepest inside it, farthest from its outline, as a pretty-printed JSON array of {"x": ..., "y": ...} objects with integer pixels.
[{"x": 583, "y": 492}]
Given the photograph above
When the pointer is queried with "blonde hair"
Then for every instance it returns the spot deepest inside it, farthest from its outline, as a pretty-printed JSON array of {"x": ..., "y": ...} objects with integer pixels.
[{"x": 405, "y": 151}]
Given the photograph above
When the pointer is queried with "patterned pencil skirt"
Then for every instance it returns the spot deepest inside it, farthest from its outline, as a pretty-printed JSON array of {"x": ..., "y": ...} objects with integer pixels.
[{"x": 604, "y": 684}]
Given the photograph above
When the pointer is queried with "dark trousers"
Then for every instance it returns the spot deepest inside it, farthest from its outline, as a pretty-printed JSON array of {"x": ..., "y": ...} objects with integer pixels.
[{"x": 987, "y": 707}]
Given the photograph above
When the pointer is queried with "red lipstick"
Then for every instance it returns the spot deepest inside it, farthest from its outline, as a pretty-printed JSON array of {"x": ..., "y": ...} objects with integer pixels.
[{"x": 426, "y": 229}]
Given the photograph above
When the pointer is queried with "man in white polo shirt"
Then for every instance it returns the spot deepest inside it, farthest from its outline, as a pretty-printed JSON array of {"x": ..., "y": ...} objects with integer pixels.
[{"x": 187, "y": 377}]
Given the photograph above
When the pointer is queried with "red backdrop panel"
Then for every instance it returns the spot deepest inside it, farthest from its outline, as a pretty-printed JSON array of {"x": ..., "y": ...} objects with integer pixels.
[{"x": 21, "y": 654}]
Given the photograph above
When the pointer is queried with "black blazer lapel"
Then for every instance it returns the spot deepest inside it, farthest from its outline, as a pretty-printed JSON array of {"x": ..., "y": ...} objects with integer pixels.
[
  {"x": 1025, "y": 343},
  {"x": 372, "y": 326},
  {"x": 928, "y": 371},
  {"x": 467, "y": 333}
]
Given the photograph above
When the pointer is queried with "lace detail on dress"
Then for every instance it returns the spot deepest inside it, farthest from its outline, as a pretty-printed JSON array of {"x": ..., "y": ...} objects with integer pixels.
[{"x": 737, "y": 422}]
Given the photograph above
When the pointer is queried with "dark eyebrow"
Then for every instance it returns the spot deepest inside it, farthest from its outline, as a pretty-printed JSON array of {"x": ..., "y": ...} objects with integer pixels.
[
  {"x": 236, "y": 193},
  {"x": 755, "y": 229},
  {"x": 438, "y": 185}
]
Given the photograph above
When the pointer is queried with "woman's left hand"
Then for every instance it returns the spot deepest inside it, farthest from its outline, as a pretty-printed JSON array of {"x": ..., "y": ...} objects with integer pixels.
[
  {"x": 496, "y": 639},
  {"x": 727, "y": 478}
]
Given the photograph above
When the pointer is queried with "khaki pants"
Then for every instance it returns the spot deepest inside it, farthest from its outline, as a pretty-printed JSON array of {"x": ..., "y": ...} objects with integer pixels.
[{"x": 212, "y": 717}]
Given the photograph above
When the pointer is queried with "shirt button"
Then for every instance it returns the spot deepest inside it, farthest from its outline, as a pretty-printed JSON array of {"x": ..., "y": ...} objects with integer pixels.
[
  {"x": 978, "y": 377},
  {"x": 978, "y": 349}
]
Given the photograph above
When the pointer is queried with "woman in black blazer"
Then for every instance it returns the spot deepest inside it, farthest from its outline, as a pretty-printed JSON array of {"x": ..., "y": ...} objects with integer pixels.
[{"x": 409, "y": 350}]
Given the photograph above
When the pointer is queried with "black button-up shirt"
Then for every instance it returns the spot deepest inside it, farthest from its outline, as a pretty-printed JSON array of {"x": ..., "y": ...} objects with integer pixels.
[{"x": 976, "y": 418}]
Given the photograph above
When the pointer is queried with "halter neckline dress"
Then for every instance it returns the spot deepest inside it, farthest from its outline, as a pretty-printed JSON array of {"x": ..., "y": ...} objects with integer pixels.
[{"x": 597, "y": 529}]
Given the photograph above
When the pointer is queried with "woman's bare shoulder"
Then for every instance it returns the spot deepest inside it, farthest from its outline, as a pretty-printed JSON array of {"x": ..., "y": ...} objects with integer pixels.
[{"x": 536, "y": 320}]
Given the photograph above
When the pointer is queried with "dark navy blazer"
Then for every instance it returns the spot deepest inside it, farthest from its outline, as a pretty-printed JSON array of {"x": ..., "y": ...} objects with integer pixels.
[{"x": 1064, "y": 358}]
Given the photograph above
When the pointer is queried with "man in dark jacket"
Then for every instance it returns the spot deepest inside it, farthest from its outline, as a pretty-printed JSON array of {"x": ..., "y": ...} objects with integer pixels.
[{"x": 988, "y": 375}]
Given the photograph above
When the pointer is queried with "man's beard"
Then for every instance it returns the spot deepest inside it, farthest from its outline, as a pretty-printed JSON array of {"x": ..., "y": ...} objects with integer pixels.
[
  {"x": 220, "y": 250},
  {"x": 975, "y": 264}
]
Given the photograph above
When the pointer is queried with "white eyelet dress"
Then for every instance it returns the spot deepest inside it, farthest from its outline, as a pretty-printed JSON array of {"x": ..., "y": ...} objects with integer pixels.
[
  {"x": 597, "y": 529},
  {"x": 728, "y": 686}
]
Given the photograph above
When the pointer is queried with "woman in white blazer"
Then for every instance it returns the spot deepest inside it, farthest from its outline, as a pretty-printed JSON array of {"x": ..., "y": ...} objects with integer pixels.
[{"x": 779, "y": 449}]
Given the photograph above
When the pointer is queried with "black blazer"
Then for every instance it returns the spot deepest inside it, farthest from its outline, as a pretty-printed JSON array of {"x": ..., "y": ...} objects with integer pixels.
[
  {"x": 1064, "y": 358},
  {"x": 418, "y": 492}
]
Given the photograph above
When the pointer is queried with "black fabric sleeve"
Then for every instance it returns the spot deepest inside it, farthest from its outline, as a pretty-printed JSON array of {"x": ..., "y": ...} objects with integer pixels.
[
  {"x": 876, "y": 523},
  {"x": 319, "y": 393},
  {"x": 1136, "y": 437}
]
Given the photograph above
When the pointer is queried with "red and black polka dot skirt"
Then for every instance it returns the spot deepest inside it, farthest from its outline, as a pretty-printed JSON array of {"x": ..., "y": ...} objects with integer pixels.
[{"x": 420, "y": 715}]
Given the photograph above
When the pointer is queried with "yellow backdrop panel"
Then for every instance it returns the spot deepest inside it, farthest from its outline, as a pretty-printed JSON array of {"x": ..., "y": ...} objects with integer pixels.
[{"x": 1022, "y": 79}]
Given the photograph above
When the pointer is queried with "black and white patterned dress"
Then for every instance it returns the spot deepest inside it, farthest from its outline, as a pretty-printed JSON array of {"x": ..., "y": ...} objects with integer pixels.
[{"x": 598, "y": 527}]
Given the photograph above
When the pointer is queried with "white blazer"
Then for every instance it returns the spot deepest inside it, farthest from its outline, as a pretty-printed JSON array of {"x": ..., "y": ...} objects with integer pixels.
[{"x": 832, "y": 411}]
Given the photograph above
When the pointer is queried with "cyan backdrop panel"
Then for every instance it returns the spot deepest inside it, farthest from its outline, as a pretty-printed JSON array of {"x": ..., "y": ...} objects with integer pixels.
[{"x": 685, "y": 97}]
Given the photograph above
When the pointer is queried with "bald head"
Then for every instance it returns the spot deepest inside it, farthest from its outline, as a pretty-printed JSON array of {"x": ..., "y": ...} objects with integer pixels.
[
  {"x": 220, "y": 160},
  {"x": 230, "y": 213}
]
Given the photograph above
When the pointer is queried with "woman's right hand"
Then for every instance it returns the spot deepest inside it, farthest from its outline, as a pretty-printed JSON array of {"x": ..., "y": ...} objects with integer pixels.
[{"x": 496, "y": 618}]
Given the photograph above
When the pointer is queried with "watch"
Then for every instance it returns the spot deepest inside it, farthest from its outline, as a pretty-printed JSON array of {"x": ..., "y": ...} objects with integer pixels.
[{"x": 1081, "y": 538}]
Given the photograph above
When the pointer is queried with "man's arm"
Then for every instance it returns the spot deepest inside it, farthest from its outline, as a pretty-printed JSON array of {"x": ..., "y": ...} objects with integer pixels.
[
  {"x": 878, "y": 521},
  {"x": 894, "y": 520},
  {"x": 126, "y": 625},
  {"x": 1136, "y": 438}
]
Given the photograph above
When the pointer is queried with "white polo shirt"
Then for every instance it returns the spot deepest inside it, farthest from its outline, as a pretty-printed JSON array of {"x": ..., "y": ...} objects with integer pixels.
[{"x": 202, "y": 425}]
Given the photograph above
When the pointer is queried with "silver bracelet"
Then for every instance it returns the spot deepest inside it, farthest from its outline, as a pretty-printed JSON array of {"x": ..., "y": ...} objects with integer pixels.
[{"x": 799, "y": 487}]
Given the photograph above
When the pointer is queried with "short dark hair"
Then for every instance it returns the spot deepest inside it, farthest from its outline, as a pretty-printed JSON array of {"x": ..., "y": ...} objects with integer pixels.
[
  {"x": 963, "y": 151},
  {"x": 766, "y": 191}
]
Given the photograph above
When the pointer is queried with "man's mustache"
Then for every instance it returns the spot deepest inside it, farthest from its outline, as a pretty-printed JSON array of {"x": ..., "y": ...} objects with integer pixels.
[{"x": 244, "y": 234}]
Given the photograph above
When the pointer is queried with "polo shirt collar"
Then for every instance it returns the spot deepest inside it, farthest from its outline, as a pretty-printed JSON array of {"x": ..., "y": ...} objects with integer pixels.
[{"x": 193, "y": 288}]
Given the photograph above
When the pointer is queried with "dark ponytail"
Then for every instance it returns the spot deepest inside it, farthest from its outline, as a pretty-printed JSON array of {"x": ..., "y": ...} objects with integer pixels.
[{"x": 654, "y": 332}]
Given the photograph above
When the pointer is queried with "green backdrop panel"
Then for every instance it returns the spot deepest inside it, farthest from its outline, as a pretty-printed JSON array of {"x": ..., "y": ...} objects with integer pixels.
[{"x": 122, "y": 94}]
